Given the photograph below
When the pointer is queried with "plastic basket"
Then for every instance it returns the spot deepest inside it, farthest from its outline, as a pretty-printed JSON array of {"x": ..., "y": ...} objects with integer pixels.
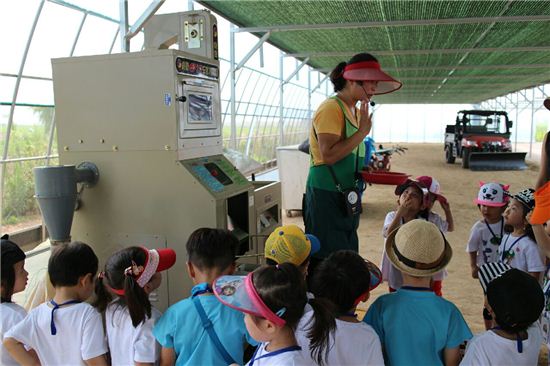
[{"x": 390, "y": 178}]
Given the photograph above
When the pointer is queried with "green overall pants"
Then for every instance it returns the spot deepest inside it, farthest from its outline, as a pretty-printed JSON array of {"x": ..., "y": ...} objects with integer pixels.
[{"x": 324, "y": 210}]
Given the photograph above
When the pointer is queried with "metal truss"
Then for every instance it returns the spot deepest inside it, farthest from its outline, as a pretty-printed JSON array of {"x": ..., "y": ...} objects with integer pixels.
[
  {"x": 393, "y": 23},
  {"x": 420, "y": 52}
]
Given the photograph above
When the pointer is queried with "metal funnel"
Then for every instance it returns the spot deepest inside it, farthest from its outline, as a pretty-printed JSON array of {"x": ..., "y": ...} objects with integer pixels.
[{"x": 56, "y": 192}]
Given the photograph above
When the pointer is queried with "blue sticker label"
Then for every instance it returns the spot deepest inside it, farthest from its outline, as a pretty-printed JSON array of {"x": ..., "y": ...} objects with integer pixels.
[{"x": 168, "y": 99}]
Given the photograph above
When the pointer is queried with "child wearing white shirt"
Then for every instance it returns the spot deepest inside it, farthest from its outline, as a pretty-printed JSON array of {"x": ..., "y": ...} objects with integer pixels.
[
  {"x": 515, "y": 301},
  {"x": 345, "y": 279},
  {"x": 65, "y": 330},
  {"x": 14, "y": 280},
  {"x": 519, "y": 248},
  {"x": 131, "y": 274}
]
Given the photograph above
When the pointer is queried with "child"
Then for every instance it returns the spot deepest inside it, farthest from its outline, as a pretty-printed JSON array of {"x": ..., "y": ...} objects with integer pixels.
[
  {"x": 345, "y": 279},
  {"x": 515, "y": 301},
  {"x": 486, "y": 234},
  {"x": 132, "y": 274},
  {"x": 199, "y": 330},
  {"x": 434, "y": 189},
  {"x": 14, "y": 280},
  {"x": 289, "y": 244},
  {"x": 66, "y": 330},
  {"x": 273, "y": 299},
  {"x": 445, "y": 225},
  {"x": 412, "y": 204},
  {"x": 518, "y": 247},
  {"x": 415, "y": 326}
]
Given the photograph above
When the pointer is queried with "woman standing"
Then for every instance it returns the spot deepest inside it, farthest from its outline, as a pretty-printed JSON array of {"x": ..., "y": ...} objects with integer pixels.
[{"x": 333, "y": 190}]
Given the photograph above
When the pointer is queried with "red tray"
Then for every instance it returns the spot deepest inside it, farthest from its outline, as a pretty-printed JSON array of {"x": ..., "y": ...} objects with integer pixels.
[{"x": 391, "y": 178}]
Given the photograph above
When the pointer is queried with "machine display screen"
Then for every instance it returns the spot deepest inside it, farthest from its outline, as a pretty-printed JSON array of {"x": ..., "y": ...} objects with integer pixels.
[
  {"x": 217, "y": 173},
  {"x": 196, "y": 68},
  {"x": 200, "y": 108}
]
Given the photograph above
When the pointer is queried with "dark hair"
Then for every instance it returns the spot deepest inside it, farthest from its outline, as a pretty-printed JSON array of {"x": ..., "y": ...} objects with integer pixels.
[
  {"x": 337, "y": 74},
  {"x": 11, "y": 254},
  {"x": 69, "y": 262},
  {"x": 212, "y": 248},
  {"x": 341, "y": 278},
  {"x": 516, "y": 299},
  {"x": 283, "y": 285},
  {"x": 528, "y": 228},
  {"x": 135, "y": 298}
]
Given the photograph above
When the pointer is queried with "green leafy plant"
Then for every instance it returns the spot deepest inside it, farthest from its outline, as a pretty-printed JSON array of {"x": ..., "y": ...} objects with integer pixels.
[{"x": 26, "y": 140}]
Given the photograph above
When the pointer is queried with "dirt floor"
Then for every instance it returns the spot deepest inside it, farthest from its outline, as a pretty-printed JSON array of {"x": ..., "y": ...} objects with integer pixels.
[{"x": 460, "y": 187}]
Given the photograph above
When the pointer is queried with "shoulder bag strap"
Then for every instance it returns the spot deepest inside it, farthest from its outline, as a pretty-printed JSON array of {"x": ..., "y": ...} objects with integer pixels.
[
  {"x": 209, "y": 327},
  {"x": 338, "y": 185}
]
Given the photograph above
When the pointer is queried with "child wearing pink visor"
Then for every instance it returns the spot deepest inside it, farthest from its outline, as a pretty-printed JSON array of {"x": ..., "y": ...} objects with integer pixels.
[{"x": 273, "y": 300}]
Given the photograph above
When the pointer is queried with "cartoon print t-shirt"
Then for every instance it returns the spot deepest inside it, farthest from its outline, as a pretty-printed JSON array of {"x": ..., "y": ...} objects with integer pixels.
[{"x": 485, "y": 240}]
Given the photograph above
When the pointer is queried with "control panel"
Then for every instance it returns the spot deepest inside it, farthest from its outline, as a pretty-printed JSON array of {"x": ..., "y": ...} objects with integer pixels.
[{"x": 215, "y": 173}]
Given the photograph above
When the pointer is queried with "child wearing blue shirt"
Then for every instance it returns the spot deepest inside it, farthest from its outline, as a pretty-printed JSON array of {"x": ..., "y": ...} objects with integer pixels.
[
  {"x": 415, "y": 326},
  {"x": 181, "y": 331}
]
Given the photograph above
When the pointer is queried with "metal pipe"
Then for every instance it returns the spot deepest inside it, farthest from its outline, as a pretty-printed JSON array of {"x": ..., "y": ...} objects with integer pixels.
[
  {"x": 394, "y": 23},
  {"x": 532, "y": 124},
  {"x": 281, "y": 96},
  {"x": 144, "y": 18},
  {"x": 253, "y": 50},
  {"x": 78, "y": 34},
  {"x": 232, "y": 85},
  {"x": 123, "y": 26}
]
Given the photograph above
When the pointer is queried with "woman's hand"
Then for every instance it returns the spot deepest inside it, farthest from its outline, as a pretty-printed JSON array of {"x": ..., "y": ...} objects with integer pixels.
[{"x": 365, "y": 123}]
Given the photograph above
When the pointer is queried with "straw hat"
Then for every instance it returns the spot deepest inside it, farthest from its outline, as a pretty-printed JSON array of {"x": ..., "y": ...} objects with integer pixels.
[{"x": 418, "y": 248}]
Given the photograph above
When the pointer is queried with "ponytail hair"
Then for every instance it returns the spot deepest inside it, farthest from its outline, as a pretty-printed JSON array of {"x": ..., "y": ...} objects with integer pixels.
[
  {"x": 135, "y": 299},
  {"x": 102, "y": 296},
  {"x": 324, "y": 324},
  {"x": 283, "y": 286},
  {"x": 337, "y": 77},
  {"x": 337, "y": 74}
]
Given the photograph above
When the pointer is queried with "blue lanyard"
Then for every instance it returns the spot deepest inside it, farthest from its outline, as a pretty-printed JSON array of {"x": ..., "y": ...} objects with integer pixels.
[
  {"x": 201, "y": 288},
  {"x": 416, "y": 288},
  {"x": 519, "y": 341},
  {"x": 274, "y": 353},
  {"x": 56, "y": 306},
  {"x": 508, "y": 252}
]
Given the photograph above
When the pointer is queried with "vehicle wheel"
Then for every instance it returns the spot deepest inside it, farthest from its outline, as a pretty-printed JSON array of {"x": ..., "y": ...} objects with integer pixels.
[
  {"x": 466, "y": 158},
  {"x": 449, "y": 155}
]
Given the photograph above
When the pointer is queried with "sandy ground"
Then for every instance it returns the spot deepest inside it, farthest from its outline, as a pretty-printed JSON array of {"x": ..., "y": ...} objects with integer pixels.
[{"x": 460, "y": 187}]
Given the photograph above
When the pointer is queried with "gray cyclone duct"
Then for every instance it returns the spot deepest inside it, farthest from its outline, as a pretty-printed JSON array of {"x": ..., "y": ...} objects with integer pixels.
[{"x": 56, "y": 193}]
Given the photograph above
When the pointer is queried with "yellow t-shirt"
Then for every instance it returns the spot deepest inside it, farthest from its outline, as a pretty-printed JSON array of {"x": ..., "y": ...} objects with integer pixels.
[{"x": 328, "y": 119}]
